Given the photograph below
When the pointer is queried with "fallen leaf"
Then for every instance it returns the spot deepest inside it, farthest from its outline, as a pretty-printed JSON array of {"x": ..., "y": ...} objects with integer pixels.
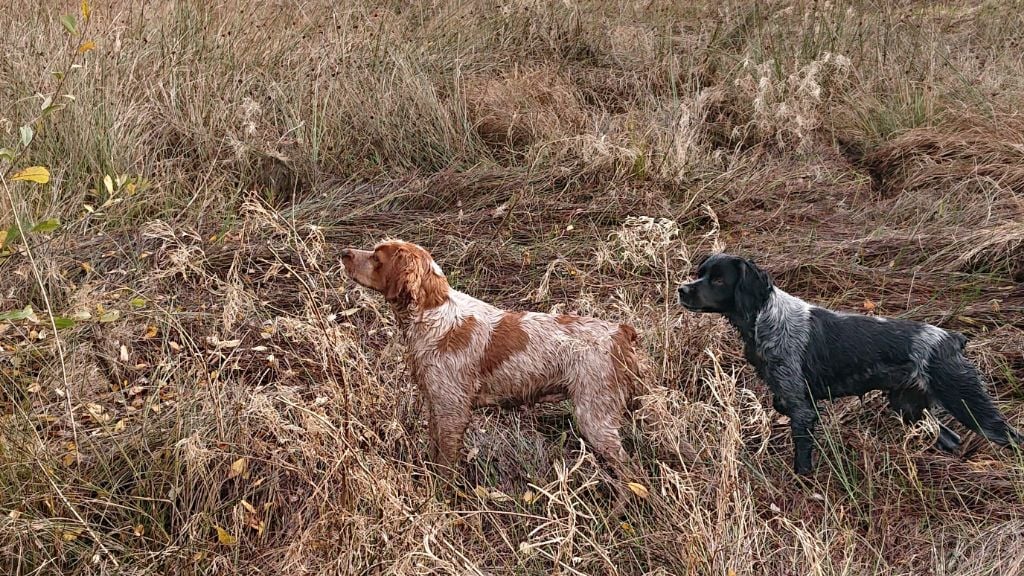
[
  {"x": 37, "y": 174},
  {"x": 22, "y": 314},
  {"x": 627, "y": 528},
  {"x": 47, "y": 225},
  {"x": 869, "y": 305},
  {"x": 638, "y": 489},
  {"x": 238, "y": 468},
  {"x": 62, "y": 322},
  {"x": 110, "y": 316},
  {"x": 139, "y": 530},
  {"x": 151, "y": 332},
  {"x": 14, "y": 514},
  {"x": 124, "y": 354},
  {"x": 218, "y": 343},
  {"x": 529, "y": 497},
  {"x": 86, "y": 46},
  {"x": 224, "y": 537}
]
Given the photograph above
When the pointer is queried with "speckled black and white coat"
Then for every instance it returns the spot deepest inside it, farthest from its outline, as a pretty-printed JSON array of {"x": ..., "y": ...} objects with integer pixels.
[{"x": 805, "y": 353}]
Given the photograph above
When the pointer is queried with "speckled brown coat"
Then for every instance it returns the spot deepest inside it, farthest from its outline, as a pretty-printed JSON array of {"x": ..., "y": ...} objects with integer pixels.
[{"x": 464, "y": 353}]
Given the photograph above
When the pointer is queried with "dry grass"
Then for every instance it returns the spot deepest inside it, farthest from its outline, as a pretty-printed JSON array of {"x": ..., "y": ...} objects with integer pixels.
[{"x": 556, "y": 156}]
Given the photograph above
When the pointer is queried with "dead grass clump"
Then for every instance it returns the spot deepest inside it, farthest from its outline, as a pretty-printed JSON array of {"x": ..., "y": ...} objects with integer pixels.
[
  {"x": 973, "y": 149},
  {"x": 786, "y": 109},
  {"x": 524, "y": 107}
]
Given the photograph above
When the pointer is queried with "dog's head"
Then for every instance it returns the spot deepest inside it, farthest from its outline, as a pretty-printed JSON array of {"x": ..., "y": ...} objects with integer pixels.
[
  {"x": 403, "y": 272},
  {"x": 726, "y": 284}
]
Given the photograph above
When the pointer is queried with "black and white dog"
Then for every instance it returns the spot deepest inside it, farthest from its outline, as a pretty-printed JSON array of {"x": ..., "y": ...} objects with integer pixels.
[{"x": 805, "y": 353}]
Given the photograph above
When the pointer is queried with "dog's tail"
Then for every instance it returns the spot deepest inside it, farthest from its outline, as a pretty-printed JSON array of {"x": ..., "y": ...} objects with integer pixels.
[{"x": 959, "y": 387}]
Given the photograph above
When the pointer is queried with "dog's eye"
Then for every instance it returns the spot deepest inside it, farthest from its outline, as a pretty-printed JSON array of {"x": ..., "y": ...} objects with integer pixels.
[{"x": 718, "y": 281}]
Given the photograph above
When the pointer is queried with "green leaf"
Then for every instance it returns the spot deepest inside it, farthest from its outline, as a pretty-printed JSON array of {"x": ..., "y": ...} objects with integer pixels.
[
  {"x": 62, "y": 322},
  {"x": 47, "y": 225},
  {"x": 7, "y": 154},
  {"x": 22, "y": 314},
  {"x": 138, "y": 302},
  {"x": 69, "y": 23},
  {"x": 13, "y": 234},
  {"x": 26, "y": 135}
]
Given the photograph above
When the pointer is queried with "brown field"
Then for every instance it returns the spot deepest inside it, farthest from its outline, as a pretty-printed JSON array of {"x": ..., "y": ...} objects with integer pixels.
[{"x": 199, "y": 390}]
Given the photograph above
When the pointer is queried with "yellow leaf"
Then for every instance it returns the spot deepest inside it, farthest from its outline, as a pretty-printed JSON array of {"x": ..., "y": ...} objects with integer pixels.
[
  {"x": 237, "y": 468},
  {"x": 248, "y": 507},
  {"x": 627, "y": 528},
  {"x": 224, "y": 537},
  {"x": 869, "y": 305},
  {"x": 638, "y": 489},
  {"x": 150, "y": 332},
  {"x": 85, "y": 9},
  {"x": 731, "y": 572},
  {"x": 37, "y": 174},
  {"x": 529, "y": 497},
  {"x": 70, "y": 535},
  {"x": 3, "y": 237},
  {"x": 139, "y": 529},
  {"x": 86, "y": 46}
]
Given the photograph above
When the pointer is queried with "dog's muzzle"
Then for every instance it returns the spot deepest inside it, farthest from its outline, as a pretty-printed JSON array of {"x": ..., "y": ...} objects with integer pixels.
[{"x": 685, "y": 293}]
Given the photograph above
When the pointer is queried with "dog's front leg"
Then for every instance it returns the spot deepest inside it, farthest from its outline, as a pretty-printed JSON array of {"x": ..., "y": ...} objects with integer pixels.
[
  {"x": 449, "y": 417},
  {"x": 791, "y": 397},
  {"x": 802, "y": 421}
]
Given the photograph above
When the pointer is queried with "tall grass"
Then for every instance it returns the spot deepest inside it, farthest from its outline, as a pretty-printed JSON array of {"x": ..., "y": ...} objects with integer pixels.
[{"x": 230, "y": 404}]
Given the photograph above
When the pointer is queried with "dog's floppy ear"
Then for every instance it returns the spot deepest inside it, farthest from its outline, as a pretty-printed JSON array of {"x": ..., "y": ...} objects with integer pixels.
[
  {"x": 415, "y": 279},
  {"x": 753, "y": 287}
]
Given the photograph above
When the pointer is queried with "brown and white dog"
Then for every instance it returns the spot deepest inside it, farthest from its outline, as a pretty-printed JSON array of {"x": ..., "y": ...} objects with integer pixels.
[{"x": 464, "y": 353}]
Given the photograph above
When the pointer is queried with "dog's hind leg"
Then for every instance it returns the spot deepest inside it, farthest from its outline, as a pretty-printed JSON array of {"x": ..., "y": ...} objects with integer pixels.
[
  {"x": 910, "y": 405},
  {"x": 958, "y": 386}
]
